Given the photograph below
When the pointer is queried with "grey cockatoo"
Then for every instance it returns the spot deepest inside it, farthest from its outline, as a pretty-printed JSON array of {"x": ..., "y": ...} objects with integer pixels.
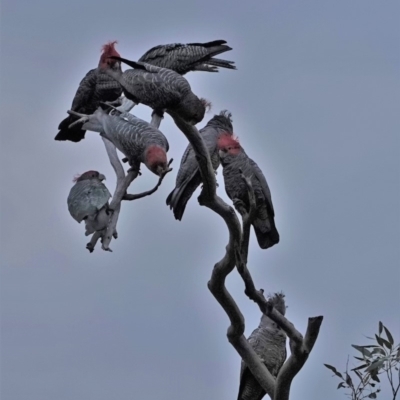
[
  {"x": 88, "y": 201},
  {"x": 189, "y": 178},
  {"x": 233, "y": 159},
  {"x": 183, "y": 58},
  {"x": 139, "y": 141},
  {"x": 94, "y": 88},
  {"x": 159, "y": 88},
  {"x": 269, "y": 342}
]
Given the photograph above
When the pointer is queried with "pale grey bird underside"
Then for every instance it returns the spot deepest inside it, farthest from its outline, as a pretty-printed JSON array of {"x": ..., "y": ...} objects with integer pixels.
[{"x": 87, "y": 198}]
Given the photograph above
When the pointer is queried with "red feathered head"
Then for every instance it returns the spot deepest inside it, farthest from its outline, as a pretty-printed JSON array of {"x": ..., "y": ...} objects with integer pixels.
[
  {"x": 228, "y": 143},
  {"x": 156, "y": 159},
  {"x": 108, "y": 50}
]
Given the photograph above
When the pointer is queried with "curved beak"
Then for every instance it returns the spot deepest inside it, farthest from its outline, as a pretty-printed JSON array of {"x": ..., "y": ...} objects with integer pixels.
[{"x": 102, "y": 177}]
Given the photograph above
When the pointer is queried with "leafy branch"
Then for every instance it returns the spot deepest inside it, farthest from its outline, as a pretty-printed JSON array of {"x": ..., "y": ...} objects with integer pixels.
[{"x": 382, "y": 357}]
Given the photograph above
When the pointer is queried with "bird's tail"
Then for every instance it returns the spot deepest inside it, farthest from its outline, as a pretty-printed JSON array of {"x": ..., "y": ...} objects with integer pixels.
[
  {"x": 177, "y": 202},
  {"x": 179, "y": 197},
  {"x": 266, "y": 232},
  {"x": 208, "y": 63},
  {"x": 217, "y": 62},
  {"x": 75, "y": 134}
]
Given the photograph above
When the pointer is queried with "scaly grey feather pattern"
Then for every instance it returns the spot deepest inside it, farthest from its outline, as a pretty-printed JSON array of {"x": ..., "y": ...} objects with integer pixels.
[
  {"x": 189, "y": 178},
  {"x": 95, "y": 87},
  {"x": 183, "y": 58},
  {"x": 159, "y": 88},
  {"x": 264, "y": 223},
  {"x": 87, "y": 198},
  {"x": 269, "y": 342},
  {"x": 130, "y": 135}
]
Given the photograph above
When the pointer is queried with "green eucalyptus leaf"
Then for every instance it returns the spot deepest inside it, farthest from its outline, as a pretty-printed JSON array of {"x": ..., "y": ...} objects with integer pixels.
[
  {"x": 379, "y": 340},
  {"x": 375, "y": 378},
  {"x": 363, "y": 350},
  {"x": 389, "y": 335},
  {"x": 360, "y": 367},
  {"x": 333, "y": 369}
]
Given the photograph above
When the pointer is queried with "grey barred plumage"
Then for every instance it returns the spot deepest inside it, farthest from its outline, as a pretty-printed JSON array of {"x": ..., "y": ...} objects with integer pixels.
[
  {"x": 189, "y": 178},
  {"x": 233, "y": 158},
  {"x": 139, "y": 141},
  {"x": 88, "y": 196},
  {"x": 94, "y": 88},
  {"x": 159, "y": 88},
  {"x": 183, "y": 58},
  {"x": 269, "y": 342}
]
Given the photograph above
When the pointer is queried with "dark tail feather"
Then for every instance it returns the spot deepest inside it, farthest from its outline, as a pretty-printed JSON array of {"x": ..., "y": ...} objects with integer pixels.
[
  {"x": 76, "y": 134},
  {"x": 214, "y": 43},
  {"x": 132, "y": 64},
  {"x": 221, "y": 63},
  {"x": 177, "y": 201},
  {"x": 179, "y": 197},
  {"x": 209, "y": 44},
  {"x": 206, "y": 68},
  {"x": 169, "y": 198},
  {"x": 266, "y": 236},
  {"x": 214, "y": 51}
]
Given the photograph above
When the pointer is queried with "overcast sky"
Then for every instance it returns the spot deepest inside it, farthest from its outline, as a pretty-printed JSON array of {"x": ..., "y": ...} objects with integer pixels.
[{"x": 315, "y": 102}]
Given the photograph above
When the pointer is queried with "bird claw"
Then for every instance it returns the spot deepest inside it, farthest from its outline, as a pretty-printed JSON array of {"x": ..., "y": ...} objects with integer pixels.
[
  {"x": 134, "y": 169},
  {"x": 109, "y": 210},
  {"x": 90, "y": 247}
]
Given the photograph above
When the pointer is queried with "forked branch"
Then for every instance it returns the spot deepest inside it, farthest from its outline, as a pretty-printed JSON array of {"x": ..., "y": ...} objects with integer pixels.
[
  {"x": 123, "y": 181},
  {"x": 223, "y": 268},
  {"x": 236, "y": 254}
]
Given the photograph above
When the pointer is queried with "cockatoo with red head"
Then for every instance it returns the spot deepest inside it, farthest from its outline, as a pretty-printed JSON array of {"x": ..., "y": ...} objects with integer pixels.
[
  {"x": 94, "y": 88},
  {"x": 159, "y": 88},
  {"x": 233, "y": 161}
]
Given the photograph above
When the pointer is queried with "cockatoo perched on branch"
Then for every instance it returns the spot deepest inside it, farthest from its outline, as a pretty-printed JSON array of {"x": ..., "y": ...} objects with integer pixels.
[
  {"x": 88, "y": 201},
  {"x": 269, "y": 342},
  {"x": 159, "y": 88},
  {"x": 139, "y": 141},
  {"x": 183, "y": 58},
  {"x": 94, "y": 88},
  {"x": 189, "y": 178},
  {"x": 233, "y": 160}
]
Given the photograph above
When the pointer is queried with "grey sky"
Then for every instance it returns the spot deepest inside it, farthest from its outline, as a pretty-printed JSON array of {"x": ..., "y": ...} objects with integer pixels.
[{"x": 315, "y": 101}]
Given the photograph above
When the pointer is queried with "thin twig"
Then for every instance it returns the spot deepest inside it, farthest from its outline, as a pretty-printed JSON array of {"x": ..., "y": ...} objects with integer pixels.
[{"x": 131, "y": 197}]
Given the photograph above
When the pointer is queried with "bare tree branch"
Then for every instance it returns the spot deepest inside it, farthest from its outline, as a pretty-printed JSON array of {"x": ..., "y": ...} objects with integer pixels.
[
  {"x": 123, "y": 183},
  {"x": 156, "y": 119},
  {"x": 297, "y": 359},
  {"x": 131, "y": 197},
  {"x": 236, "y": 254},
  {"x": 93, "y": 241},
  {"x": 216, "y": 285}
]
